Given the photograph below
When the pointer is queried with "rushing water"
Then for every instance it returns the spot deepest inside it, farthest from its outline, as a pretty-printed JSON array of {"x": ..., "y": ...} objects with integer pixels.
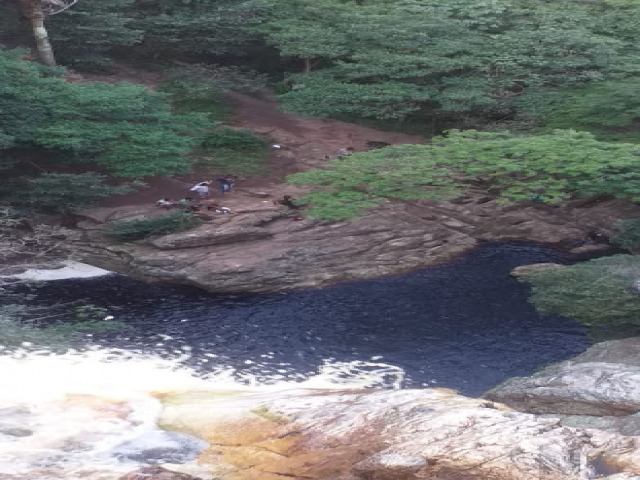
[{"x": 90, "y": 413}]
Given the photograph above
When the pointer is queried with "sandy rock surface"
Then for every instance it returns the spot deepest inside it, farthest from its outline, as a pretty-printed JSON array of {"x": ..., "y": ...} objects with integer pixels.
[{"x": 390, "y": 435}]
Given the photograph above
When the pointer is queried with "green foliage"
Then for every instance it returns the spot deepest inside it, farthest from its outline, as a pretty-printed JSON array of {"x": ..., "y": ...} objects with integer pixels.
[
  {"x": 85, "y": 35},
  {"x": 629, "y": 237},
  {"x": 173, "y": 29},
  {"x": 451, "y": 59},
  {"x": 550, "y": 167},
  {"x": 131, "y": 230},
  {"x": 60, "y": 192},
  {"x": 610, "y": 110},
  {"x": 124, "y": 127},
  {"x": 601, "y": 292}
]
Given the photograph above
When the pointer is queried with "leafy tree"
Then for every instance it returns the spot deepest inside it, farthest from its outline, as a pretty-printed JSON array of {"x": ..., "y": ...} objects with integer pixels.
[
  {"x": 86, "y": 35},
  {"x": 599, "y": 292},
  {"x": 124, "y": 127},
  {"x": 610, "y": 110},
  {"x": 451, "y": 60},
  {"x": 173, "y": 29},
  {"x": 547, "y": 168}
]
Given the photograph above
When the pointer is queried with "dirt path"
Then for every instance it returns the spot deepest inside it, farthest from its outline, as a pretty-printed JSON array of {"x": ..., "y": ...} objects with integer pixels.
[{"x": 305, "y": 141}]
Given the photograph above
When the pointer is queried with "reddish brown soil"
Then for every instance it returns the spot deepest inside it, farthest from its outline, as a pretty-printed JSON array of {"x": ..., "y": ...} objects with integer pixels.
[{"x": 306, "y": 142}]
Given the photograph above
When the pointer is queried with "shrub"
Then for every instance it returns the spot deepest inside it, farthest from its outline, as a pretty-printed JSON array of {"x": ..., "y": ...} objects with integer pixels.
[
  {"x": 130, "y": 230},
  {"x": 601, "y": 292},
  {"x": 512, "y": 167},
  {"x": 629, "y": 237}
]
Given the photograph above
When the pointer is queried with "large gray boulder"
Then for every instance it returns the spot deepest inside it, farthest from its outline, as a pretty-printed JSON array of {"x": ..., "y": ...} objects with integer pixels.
[{"x": 603, "y": 381}]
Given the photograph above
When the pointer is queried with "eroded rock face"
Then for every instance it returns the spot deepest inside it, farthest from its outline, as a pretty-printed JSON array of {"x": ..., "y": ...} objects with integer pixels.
[
  {"x": 390, "y": 435},
  {"x": 603, "y": 381},
  {"x": 262, "y": 248}
]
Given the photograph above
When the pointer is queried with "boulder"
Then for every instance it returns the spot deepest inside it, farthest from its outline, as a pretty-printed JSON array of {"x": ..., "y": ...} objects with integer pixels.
[
  {"x": 389, "y": 435},
  {"x": 525, "y": 270},
  {"x": 603, "y": 381}
]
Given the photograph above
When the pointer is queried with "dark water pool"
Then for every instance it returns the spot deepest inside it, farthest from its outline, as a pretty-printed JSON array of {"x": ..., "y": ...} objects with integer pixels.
[{"x": 465, "y": 324}]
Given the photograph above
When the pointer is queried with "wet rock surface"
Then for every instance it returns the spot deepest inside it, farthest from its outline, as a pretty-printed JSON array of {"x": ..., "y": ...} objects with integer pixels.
[
  {"x": 394, "y": 435},
  {"x": 262, "y": 248}
]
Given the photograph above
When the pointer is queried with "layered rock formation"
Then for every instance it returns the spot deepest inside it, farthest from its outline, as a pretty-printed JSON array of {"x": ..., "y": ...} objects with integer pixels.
[
  {"x": 262, "y": 248},
  {"x": 604, "y": 381},
  {"x": 391, "y": 435}
]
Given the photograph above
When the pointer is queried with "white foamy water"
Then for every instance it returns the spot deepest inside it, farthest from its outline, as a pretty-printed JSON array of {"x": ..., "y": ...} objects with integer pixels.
[
  {"x": 71, "y": 269},
  {"x": 91, "y": 415}
]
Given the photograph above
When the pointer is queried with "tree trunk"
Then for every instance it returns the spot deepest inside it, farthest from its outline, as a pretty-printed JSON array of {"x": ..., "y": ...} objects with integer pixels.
[{"x": 32, "y": 10}]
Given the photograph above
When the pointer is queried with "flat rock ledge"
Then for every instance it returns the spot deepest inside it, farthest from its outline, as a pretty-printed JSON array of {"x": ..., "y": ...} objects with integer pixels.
[
  {"x": 261, "y": 248},
  {"x": 434, "y": 434}
]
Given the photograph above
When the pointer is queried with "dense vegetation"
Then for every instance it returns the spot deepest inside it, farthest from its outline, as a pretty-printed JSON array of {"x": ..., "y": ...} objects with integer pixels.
[
  {"x": 545, "y": 168},
  {"x": 601, "y": 292}
]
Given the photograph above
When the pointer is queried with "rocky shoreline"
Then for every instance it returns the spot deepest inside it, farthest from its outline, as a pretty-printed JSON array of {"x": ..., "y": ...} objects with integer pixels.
[{"x": 262, "y": 248}]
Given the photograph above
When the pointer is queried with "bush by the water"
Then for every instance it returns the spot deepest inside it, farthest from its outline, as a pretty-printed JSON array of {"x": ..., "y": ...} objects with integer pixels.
[
  {"x": 130, "y": 230},
  {"x": 629, "y": 237},
  {"x": 600, "y": 293}
]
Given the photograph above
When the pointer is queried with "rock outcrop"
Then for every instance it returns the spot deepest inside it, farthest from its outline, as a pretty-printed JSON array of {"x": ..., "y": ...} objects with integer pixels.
[
  {"x": 603, "y": 381},
  {"x": 391, "y": 435},
  {"x": 261, "y": 248},
  {"x": 598, "y": 389}
]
